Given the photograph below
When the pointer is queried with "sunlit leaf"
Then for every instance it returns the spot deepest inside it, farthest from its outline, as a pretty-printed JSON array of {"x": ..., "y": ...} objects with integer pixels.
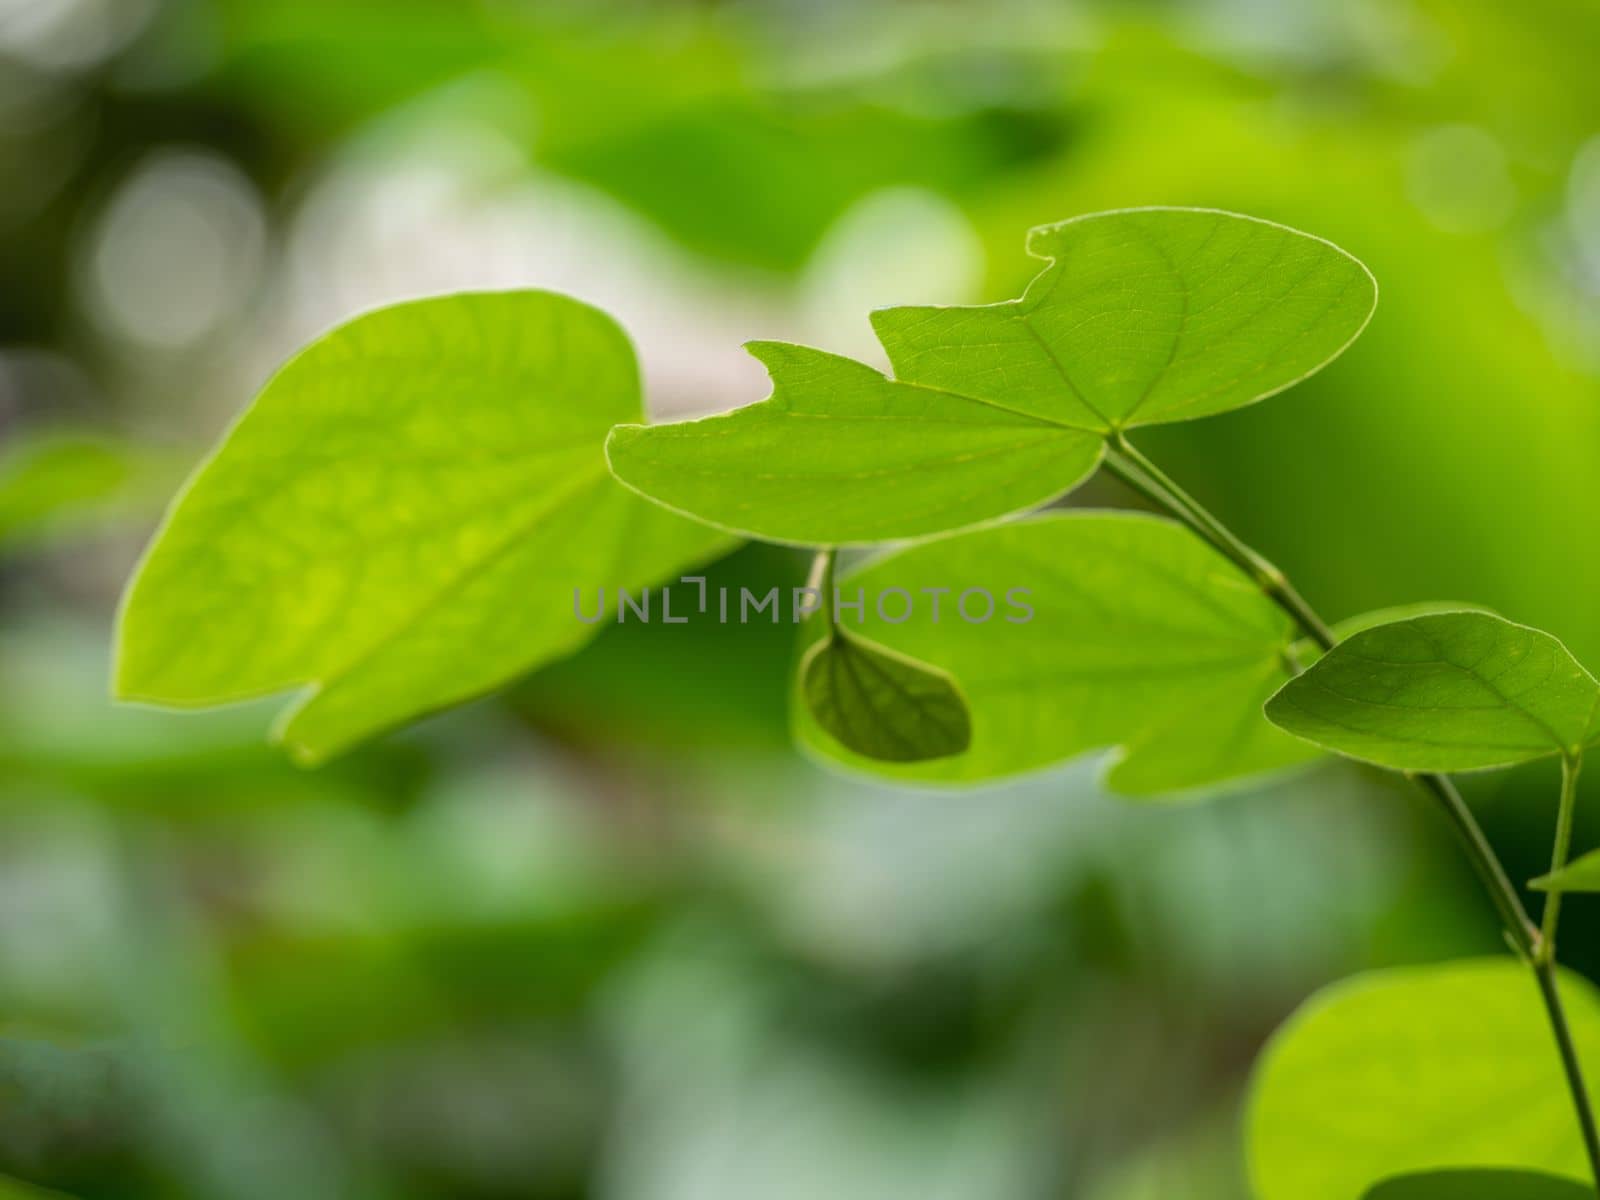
[
  {"x": 1143, "y": 316},
  {"x": 1581, "y": 875},
  {"x": 841, "y": 455},
  {"x": 881, "y": 704},
  {"x": 1444, "y": 692},
  {"x": 401, "y": 520},
  {"x": 1415, "y": 1070},
  {"x": 1107, "y": 630},
  {"x": 1480, "y": 1185}
]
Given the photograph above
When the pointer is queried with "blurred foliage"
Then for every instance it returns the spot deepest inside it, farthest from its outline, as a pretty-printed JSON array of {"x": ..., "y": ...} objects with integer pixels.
[{"x": 607, "y": 935}]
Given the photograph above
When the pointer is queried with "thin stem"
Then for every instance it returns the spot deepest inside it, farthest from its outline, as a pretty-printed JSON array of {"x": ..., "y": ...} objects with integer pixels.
[
  {"x": 821, "y": 581},
  {"x": 1534, "y": 946},
  {"x": 1271, "y": 580},
  {"x": 1570, "y": 765},
  {"x": 1519, "y": 927},
  {"x": 1545, "y": 972}
]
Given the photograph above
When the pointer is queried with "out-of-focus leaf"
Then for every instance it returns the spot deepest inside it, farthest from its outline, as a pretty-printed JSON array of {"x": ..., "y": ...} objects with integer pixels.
[
  {"x": 1581, "y": 875},
  {"x": 61, "y": 480},
  {"x": 1479, "y": 1185},
  {"x": 1142, "y": 317},
  {"x": 1414, "y": 1070},
  {"x": 15, "y": 1189},
  {"x": 1132, "y": 633},
  {"x": 401, "y": 520},
  {"x": 1444, "y": 692},
  {"x": 881, "y": 704},
  {"x": 679, "y": 692}
]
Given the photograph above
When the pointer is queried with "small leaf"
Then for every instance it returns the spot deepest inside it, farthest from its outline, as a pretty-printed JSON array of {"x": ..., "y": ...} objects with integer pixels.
[
  {"x": 1480, "y": 1185},
  {"x": 1443, "y": 692},
  {"x": 1419, "y": 1069},
  {"x": 1143, "y": 316},
  {"x": 1131, "y": 633},
  {"x": 401, "y": 520},
  {"x": 1580, "y": 875},
  {"x": 884, "y": 705}
]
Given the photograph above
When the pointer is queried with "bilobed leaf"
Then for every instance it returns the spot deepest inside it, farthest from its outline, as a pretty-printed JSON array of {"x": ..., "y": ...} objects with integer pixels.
[
  {"x": 1140, "y": 637},
  {"x": 401, "y": 520},
  {"x": 1443, "y": 692},
  {"x": 1580, "y": 875},
  {"x": 1480, "y": 1185},
  {"x": 840, "y": 455},
  {"x": 881, "y": 704},
  {"x": 1143, "y": 316},
  {"x": 1419, "y": 1069}
]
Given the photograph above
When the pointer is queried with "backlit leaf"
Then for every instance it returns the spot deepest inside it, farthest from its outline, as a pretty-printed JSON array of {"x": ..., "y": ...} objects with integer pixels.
[
  {"x": 1413, "y": 1070},
  {"x": 840, "y": 455},
  {"x": 401, "y": 519},
  {"x": 881, "y": 704},
  {"x": 1444, "y": 692},
  {"x": 1106, "y": 630},
  {"x": 1143, "y": 316}
]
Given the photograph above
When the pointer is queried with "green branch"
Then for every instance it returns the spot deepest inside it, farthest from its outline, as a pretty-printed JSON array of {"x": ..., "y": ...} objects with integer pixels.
[
  {"x": 1570, "y": 766},
  {"x": 1535, "y": 946}
]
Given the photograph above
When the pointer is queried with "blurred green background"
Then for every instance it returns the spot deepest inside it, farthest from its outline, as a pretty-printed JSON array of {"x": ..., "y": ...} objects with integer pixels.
[{"x": 607, "y": 935}]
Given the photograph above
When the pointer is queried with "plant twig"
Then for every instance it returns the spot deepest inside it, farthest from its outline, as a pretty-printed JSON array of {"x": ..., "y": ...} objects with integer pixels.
[
  {"x": 1269, "y": 578},
  {"x": 1570, "y": 765},
  {"x": 1545, "y": 972},
  {"x": 821, "y": 581},
  {"x": 1533, "y": 945}
]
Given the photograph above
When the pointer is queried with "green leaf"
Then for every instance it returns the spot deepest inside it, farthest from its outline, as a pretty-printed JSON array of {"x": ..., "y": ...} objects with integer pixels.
[
  {"x": 1580, "y": 875},
  {"x": 1480, "y": 1185},
  {"x": 1143, "y": 316},
  {"x": 401, "y": 520},
  {"x": 1444, "y": 692},
  {"x": 1419, "y": 1069},
  {"x": 59, "y": 482},
  {"x": 1140, "y": 637},
  {"x": 839, "y": 455},
  {"x": 881, "y": 704}
]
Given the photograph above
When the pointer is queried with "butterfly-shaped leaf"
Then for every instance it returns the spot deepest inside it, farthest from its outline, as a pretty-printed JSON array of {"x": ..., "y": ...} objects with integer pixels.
[
  {"x": 1143, "y": 316},
  {"x": 401, "y": 519},
  {"x": 1413, "y": 1070},
  {"x": 881, "y": 704},
  {"x": 1444, "y": 692},
  {"x": 1079, "y": 631},
  {"x": 1481, "y": 1184}
]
